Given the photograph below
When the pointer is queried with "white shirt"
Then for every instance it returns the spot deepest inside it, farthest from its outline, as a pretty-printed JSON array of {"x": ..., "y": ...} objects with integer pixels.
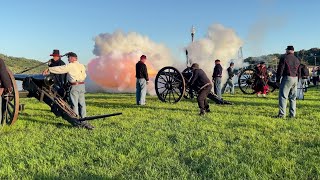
[{"x": 76, "y": 71}]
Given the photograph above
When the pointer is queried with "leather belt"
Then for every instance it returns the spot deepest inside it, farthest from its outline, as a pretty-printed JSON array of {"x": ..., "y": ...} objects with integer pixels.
[
  {"x": 76, "y": 83},
  {"x": 204, "y": 86}
]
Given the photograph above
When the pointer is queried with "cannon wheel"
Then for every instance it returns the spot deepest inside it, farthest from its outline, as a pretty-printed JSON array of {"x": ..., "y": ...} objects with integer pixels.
[
  {"x": 246, "y": 81},
  {"x": 169, "y": 85},
  {"x": 272, "y": 86},
  {"x": 189, "y": 92},
  {"x": 10, "y": 103}
]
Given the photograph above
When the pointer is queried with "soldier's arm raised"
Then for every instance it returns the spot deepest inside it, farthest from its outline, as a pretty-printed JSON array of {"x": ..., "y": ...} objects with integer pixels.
[{"x": 59, "y": 69}]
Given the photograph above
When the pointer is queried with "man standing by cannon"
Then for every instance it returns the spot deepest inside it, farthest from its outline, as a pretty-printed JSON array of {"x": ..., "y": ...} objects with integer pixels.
[
  {"x": 200, "y": 83},
  {"x": 76, "y": 74},
  {"x": 229, "y": 80},
  {"x": 288, "y": 73},
  {"x": 142, "y": 81},
  {"x": 216, "y": 78},
  {"x": 60, "y": 79}
]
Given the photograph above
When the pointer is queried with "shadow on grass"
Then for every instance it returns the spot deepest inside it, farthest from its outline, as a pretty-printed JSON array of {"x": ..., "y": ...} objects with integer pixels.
[
  {"x": 117, "y": 105},
  {"x": 57, "y": 124}
]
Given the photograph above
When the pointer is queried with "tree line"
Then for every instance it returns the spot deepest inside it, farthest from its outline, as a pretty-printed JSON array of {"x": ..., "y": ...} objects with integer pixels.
[{"x": 309, "y": 57}]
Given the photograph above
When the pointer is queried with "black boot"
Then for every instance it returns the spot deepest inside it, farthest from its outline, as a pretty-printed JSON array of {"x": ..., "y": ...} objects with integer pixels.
[
  {"x": 85, "y": 124},
  {"x": 202, "y": 113}
]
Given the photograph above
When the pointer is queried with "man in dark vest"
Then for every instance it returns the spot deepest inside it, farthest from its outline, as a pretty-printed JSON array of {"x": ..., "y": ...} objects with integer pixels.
[
  {"x": 60, "y": 79},
  {"x": 229, "y": 80},
  {"x": 216, "y": 78},
  {"x": 142, "y": 81},
  {"x": 288, "y": 73},
  {"x": 201, "y": 84}
]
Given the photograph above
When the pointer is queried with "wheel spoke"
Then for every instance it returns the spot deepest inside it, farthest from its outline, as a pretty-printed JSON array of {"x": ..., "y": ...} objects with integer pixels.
[
  {"x": 165, "y": 96},
  {"x": 10, "y": 114},
  {"x": 165, "y": 80},
  {"x": 177, "y": 79},
  {"x": 169, "y": 95},
  {"x": 162, "y": 93},
  {"x": 10, "y": 103},
  {"x": 176, "y": 92},
  {"x": 161, "y": 87},
  {"x": 170, "y": 76},
  {"x": 161, "y": 82},
  {"x": 173, "y": 96}
]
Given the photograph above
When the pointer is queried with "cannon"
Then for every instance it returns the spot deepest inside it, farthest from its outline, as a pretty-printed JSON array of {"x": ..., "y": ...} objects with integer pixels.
[
  {"x": 171, "y": 86},
  {"x": 247, "y": 80},
  {"x": 40, "y": 87}
]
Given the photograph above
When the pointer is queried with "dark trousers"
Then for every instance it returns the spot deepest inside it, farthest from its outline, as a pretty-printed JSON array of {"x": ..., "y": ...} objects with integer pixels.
[{"x": 202, "y": 98}]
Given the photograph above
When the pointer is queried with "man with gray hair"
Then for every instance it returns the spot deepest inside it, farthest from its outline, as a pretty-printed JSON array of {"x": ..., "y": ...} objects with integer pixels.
[{"x": 288, "y": 73}]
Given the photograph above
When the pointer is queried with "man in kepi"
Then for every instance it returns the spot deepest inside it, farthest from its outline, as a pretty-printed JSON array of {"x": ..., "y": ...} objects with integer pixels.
[
  {"x": 216, "y": 78},
  {"x": 201, "y": 84},
  {"x": 76, "y": 74},
  {"x": 142, "y": 81},
  {"x": 229, "y": 80},
  {"x": 288, "y": 73}
]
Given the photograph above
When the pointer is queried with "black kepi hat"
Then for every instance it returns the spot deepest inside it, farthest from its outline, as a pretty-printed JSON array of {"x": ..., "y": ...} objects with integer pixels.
[
  {"x": 290, "y": 48},
  {"x": 71, "y": 54}
]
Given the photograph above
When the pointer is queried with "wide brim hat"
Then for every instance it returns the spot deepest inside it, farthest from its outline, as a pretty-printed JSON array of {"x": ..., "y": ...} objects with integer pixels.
[
  {"x": 55, "y": 52},
  {"x": 290, "y": 48}
]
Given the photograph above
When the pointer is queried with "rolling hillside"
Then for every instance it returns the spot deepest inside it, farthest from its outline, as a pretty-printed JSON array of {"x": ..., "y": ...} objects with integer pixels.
[{"x": 17, "y": 65}]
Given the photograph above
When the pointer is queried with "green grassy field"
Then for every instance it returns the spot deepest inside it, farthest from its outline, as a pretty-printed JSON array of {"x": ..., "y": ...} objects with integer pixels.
[{"x": 165, "y": 141}]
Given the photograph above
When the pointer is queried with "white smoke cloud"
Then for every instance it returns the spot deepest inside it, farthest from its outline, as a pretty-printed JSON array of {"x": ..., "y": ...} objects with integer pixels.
[{"x": 219, "y": 43}]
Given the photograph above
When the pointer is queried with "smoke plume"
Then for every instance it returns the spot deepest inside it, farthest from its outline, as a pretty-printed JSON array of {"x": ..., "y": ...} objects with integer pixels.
[
  {"x": 114, "y": 67},
  {"x": 219, "y": 43},
  {"x": 113, "y": 70}
]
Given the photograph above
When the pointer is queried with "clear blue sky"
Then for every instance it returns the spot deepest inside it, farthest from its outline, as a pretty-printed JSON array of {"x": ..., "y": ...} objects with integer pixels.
[{"x": 33, "y": 28}]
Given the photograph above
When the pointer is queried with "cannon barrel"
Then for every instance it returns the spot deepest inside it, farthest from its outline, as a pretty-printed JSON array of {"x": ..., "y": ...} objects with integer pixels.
[{"x": 39, "y": 79}]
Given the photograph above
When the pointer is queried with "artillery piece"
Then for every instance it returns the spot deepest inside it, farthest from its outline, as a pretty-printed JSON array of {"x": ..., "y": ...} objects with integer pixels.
[
  {"x": 40, "y": 87},
  {"x": 247, "y": 80},
  {"x": 171, "y": 86}
]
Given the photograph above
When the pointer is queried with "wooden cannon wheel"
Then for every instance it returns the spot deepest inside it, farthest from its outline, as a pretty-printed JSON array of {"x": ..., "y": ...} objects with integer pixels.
[
  {"x": 189, "y": 92},
  {"x": 10, "y": 103},
  {"x": 246, "y": 82},
  {"x": 170, "y": 85}
]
